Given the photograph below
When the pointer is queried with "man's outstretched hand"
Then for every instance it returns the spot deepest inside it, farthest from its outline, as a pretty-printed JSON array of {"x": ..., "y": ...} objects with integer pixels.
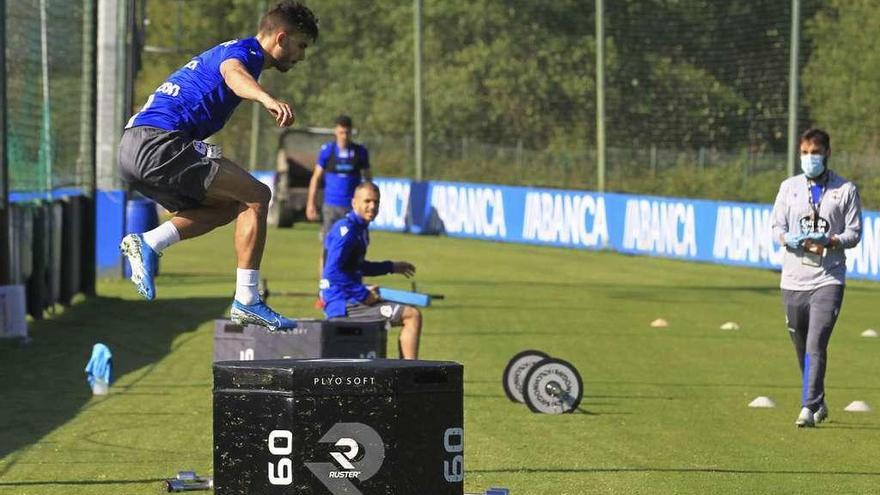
[
  {"x": 281, "y": 111},
  {"x": 404, "y": 268}
]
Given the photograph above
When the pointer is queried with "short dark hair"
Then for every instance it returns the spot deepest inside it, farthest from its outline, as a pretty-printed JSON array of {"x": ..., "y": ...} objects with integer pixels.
[
  {"x": 367, "y": 185},
  {"x": 344, "y": 121},
  {"x": 818, "y": 136},
  {"x": 290, "y": 15}
]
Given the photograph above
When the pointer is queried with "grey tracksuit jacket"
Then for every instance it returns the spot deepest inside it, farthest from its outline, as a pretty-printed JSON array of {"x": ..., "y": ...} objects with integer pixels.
[{"x": 840, "y": 206}]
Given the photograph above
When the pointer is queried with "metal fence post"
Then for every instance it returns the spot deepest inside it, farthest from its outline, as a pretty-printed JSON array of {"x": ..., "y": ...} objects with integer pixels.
[
  {"x": 417, "y": 76},
  {"x": 600, "y": 95},
  {"x": 5, "y": 262},
  {"x": 793, "y": 84},
  {"x": 256, "y": 112}
]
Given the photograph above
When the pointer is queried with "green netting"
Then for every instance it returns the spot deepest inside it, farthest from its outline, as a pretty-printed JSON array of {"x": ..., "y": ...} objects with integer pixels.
[
  {"x": 49, "y": 129},
  {"x": 696, "y": 90}
]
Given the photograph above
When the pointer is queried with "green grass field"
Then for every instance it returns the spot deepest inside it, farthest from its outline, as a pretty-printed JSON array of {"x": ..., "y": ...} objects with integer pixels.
[{"x": 666, "y": 408}]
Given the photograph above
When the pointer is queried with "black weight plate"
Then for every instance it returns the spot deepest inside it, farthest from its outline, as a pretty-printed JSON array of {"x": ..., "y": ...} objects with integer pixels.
[
  {"x": 550, "y": 374},
  {"x": 515, "y": 372}
]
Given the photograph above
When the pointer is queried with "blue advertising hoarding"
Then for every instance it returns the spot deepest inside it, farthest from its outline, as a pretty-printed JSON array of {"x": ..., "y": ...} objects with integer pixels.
[{"x": 700, "y": 230}]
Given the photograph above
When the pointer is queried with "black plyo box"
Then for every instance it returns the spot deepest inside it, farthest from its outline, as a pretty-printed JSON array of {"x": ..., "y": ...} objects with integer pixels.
[
  {"x": 311, "y": 339},
  {"x": 338, "y": 426}
]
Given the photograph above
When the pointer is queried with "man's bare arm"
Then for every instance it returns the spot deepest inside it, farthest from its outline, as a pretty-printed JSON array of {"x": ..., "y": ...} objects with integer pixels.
[
  {"x": 243, "y": 84},
  {"x": 311, "y": 206}
]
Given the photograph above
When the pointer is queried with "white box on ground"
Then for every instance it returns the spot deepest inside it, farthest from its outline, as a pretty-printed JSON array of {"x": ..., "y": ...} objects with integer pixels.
[{"x": 12, "y": 311}]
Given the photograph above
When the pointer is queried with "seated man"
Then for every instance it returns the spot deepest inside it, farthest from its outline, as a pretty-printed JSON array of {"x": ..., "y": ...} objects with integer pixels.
[{"x": 342, "y": 287}]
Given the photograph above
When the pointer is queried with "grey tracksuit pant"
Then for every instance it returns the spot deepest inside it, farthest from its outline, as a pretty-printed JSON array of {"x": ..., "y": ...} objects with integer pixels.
[{"x": 811, "y": 315}]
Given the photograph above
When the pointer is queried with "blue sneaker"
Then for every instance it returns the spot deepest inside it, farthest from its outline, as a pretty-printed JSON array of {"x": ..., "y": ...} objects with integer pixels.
[
  {"x": 142, "y": 260},
  {"x": 259, "y": 314}
]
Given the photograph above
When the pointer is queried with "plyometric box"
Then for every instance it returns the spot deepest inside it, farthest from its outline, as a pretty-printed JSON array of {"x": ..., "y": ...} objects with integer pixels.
[
  {"x": 311, "y": 339},
  {"x": 338, "y": 427}
]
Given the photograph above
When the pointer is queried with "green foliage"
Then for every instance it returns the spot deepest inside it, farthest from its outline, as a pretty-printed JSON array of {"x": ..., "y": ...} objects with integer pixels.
[
  {"x": 505, "y": 72},
  {"x": 842, "y": 78},
  {"x": 48, "y": 133},
  {"x": 698, "y": 73},
  {"x": 509, "y": 87}
]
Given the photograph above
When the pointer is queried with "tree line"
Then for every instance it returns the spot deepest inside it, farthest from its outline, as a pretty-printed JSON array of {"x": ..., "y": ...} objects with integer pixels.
[{"x": 680, "y": 75}]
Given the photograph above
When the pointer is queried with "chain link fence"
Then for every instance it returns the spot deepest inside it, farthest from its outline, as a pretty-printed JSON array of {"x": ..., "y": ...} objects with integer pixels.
[
  {"x": 696, "y": 92},
  {"x": 47, "y": 230},
  {"x": 50, "y": 104}
]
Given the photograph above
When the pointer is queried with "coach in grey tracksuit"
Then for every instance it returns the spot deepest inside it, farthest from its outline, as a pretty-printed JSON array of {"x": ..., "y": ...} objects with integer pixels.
[{"x": 817, "y": 215}]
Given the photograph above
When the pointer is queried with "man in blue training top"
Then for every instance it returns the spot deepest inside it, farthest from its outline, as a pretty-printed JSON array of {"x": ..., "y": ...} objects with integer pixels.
[
  {"x": 342, "y": 287},
  {"x": 161, "y": 154},
  {"x": 342, "y": 165}
]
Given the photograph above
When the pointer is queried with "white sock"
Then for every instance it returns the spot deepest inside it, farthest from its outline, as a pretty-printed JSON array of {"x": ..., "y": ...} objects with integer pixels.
[
  {"x": 162, "y": 236},
  {"x": 246, "y": 282}
]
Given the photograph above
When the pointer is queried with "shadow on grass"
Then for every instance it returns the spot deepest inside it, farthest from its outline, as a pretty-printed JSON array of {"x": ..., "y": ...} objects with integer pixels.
[
  {"x": 707, "y": 470},
  {"x": 719, "y": 385},
  {"x": 80, "y": 482},
  {"x": 639, "y": 286},
  {"x": 43, "y": 384},
  {"x": 839, "y": 426}
]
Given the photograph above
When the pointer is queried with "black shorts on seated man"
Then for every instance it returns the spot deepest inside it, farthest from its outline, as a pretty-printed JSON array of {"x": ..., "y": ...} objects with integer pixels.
[{"x": 342, "y": 287}]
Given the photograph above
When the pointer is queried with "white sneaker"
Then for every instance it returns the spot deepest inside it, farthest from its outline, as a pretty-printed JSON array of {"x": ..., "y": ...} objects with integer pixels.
[
  {"x": 805, "y": 418},
  {"x": 821, "y": 414}
]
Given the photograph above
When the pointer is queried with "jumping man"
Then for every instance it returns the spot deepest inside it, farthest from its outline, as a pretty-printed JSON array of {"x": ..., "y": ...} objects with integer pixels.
[{"x": 161, "y": 154}]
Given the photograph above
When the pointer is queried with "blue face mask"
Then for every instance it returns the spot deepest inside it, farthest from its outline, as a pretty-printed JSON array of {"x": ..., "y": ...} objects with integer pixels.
[{"x": 813, "y": 165}]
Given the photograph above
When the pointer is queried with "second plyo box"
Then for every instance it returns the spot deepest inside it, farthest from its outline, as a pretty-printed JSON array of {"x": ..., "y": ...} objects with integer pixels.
[{"x": 310, "y": 339}]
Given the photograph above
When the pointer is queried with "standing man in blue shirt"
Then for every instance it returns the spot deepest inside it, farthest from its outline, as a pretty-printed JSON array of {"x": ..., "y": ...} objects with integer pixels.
[
  {"x": 161, "y": 154},
  {"x": 342, "y": 287},
  {"x": 342, "y": 165}
]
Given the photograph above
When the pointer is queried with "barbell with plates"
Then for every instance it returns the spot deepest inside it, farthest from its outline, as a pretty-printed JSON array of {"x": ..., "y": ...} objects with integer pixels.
[
  {"x": 546, "y": 385},
  {"x": 515, "y": 373}
]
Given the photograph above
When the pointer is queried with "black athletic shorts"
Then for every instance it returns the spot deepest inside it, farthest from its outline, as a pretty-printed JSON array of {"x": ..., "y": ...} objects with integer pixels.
[
  {"x": 165, "y": 167},
  {"x": 382, "y": 310},
  {"x": 329, "y": 215}
]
